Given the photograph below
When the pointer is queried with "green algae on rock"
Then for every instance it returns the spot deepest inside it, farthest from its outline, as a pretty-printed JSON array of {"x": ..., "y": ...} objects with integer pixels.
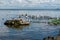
[{"x": 54, "y": 21}]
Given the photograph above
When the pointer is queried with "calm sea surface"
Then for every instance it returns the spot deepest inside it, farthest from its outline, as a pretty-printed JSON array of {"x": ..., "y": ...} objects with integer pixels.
[{"x": 35, "y": 31}]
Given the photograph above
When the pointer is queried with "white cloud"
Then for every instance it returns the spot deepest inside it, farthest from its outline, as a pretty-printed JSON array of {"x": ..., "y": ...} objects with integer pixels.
[
  {"x": 26, "y": 3},
  {"x": 22, "y": 2},
  {"x": 33, "y": 3},
  {"x": 2, "y": 3}
]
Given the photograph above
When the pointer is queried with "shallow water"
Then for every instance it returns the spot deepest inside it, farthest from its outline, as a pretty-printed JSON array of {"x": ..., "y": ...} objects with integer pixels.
[{"x": 35, "y": 31}]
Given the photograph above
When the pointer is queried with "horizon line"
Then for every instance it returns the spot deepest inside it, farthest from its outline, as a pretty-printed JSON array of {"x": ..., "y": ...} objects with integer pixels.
[{"x": 29, "y": 9}]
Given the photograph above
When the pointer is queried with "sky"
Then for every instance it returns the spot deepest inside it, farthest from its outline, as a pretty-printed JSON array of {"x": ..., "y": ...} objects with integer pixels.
[{"x": 29, "y": 4}]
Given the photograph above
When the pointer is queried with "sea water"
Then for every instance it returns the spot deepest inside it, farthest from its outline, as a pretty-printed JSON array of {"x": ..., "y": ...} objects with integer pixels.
[{"x": 35, "y": 31}]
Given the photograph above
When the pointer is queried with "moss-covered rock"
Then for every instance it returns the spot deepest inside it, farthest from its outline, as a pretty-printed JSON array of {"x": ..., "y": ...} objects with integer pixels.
[{"x": 54, "y": 21}]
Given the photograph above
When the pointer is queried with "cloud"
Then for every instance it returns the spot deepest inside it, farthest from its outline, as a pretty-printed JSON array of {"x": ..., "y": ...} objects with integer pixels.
[
  {"x": 2, "y": 3},
  {"x": 21, "y": 4}
]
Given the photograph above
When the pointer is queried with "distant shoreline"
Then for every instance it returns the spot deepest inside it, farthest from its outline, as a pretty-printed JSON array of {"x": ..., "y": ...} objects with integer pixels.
[{"x": 29, "y": 9}]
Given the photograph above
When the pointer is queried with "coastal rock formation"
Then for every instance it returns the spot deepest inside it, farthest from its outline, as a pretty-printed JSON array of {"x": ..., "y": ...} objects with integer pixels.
[{"x": 18, "y": 21}]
